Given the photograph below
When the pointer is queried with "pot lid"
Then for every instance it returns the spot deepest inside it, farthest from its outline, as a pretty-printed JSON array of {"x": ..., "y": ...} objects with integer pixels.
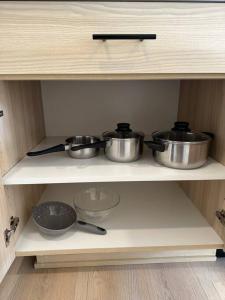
[
  {"x": 182, "y": 133},
  {"x": 123, "y": 131}
]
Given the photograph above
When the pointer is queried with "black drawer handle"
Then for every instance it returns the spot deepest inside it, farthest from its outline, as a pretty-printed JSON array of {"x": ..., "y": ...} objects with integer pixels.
[{"x": 140, "y": 37}]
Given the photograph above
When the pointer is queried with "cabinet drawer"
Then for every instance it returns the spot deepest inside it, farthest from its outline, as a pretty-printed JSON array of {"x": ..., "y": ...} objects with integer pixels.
[{"x": 55, "y": 38}]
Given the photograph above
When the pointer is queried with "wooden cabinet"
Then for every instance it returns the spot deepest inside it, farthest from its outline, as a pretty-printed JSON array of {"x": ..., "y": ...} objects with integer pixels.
[{"x": 53, "y": 40}]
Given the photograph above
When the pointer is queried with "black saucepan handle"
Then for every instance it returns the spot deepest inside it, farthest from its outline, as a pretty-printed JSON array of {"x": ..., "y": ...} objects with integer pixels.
[
  {"x": 157, "y": 146},
  {"x": 99, "y": 144},
  {"x": 57, "y": 148},
  {"x": 91, "y": 228}
]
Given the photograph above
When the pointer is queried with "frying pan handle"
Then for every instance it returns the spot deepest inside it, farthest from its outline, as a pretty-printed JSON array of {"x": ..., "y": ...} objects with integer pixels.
[
  {"x": 91, "y": 228},
  {"x": 57, "y": 148},
  {"x": 98, "y": 144},
  {"x": 157, "y": 146}
]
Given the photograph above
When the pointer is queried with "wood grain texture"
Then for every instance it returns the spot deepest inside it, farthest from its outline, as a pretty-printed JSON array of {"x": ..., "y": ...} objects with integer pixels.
[
  {"x": 202, "y": 104},
  {"x": 55, "y": 38},
  {"x": 105, "y": 77},
  {"x": 196, "y": 281},
  {"x": 15, "y": 201},
  {"x": 21, "y": 127}
]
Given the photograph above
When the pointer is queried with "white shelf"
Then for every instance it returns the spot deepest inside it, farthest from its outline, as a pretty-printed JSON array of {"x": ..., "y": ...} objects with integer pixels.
[
  {"x": 59, "y": 168},
  {"x": 153, "y": 216}
]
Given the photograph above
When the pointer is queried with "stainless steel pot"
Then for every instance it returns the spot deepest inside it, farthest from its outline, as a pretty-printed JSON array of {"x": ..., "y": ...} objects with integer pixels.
[
  {"x": 76, "y": 147},
  {"x": 75, "y": 141},
  {"x": 180, "y": 148},
  {"x": 123, "y": 144}
]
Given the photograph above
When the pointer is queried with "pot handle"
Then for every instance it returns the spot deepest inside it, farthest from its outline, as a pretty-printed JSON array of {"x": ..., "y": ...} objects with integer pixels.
[
  {"x": 91, "y": 228},
  {"x": 157, "y": 146},
  {"x": 210, "y": 134},
  {"x": 57, "y": 148},
  {"x": 98, "y": 144}
]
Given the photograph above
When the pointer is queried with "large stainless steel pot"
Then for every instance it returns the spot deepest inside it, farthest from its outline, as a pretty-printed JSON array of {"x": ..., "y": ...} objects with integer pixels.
[{"x": 180, "y": 148}]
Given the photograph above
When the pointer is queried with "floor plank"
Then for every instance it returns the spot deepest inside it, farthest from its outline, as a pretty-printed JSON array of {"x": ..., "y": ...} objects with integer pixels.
[{"x": 175, "y": 281}]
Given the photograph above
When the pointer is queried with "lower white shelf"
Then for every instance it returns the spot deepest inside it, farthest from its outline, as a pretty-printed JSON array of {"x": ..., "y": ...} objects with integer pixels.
[{"x": 152, "y": 216}]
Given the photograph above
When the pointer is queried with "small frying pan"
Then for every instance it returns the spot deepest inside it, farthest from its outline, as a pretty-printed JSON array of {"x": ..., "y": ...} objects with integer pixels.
[{"x": 55, "y": 218}]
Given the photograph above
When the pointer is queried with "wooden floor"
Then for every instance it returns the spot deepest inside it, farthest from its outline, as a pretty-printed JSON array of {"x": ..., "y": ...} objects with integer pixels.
[{"x": 181, "y": 281}]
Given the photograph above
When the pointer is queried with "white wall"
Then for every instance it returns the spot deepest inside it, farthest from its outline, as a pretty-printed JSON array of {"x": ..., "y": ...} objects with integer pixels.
[{"x": 91, "y": 107}]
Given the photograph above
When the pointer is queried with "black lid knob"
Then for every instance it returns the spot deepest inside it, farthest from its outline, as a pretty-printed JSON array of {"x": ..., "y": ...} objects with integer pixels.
[
  {"x": 181, "y": 126},
  {"x": 124, "y": 127}
]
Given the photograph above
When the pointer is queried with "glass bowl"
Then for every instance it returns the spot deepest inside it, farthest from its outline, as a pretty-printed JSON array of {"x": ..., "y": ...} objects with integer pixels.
[{"x": 95, "y": 203}]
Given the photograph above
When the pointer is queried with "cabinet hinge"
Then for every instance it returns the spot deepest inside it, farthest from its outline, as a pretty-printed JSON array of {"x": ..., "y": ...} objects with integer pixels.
[
  {"x": 14, "y": 221},
  {"x": 221, "y": 216}
]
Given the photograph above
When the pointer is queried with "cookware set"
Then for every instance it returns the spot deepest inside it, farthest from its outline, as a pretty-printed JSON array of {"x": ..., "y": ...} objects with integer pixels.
[
  {"x": 121, "y": 145},
  {"x": 179, "y": 148}
]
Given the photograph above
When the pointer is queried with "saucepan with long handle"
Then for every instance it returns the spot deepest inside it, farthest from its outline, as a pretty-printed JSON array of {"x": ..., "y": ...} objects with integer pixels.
[{"x": 76, "y": 147}]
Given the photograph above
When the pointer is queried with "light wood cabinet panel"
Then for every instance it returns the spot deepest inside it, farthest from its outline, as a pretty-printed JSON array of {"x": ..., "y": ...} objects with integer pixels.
[
  {"x": 54, "y": 39},
  {"x": 15, "y": 201},
  {"x": 21, "y": 127},
  {"x": 202, "y": 104},
  {"x": 208, "y": 197}
]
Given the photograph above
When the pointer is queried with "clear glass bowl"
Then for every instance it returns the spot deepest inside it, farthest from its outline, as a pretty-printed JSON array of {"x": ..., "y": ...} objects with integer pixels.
[{"x": 95, "y": 203}]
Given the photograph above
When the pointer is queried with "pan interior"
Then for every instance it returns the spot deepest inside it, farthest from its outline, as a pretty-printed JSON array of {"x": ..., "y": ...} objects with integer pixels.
[
  {"x": 82, "y": 139},
  {"x": 54, "y": 215}
]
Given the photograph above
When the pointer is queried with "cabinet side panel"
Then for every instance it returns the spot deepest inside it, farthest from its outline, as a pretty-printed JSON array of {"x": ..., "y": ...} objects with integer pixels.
[
  {"x": 21, "y": 128},
  {"x": 202, "y": 104},
  {"x": 15, "y": 201}
]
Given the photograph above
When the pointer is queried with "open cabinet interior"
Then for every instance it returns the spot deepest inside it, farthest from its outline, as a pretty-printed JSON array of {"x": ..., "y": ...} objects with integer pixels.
[{"x": 58, "y": 109}]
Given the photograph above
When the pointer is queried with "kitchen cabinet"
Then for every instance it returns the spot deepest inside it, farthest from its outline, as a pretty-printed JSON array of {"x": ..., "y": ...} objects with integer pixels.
[{"x": 53, "y": 40}]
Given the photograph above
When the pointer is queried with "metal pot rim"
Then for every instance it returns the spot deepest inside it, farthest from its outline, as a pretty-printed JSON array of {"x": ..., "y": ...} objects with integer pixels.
[
  {"x": 70, "y": 140},
  {"x": 138, "y": 135},
  {"x": 158, "y": 136},
  {"x": 184, "y": 143}
]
